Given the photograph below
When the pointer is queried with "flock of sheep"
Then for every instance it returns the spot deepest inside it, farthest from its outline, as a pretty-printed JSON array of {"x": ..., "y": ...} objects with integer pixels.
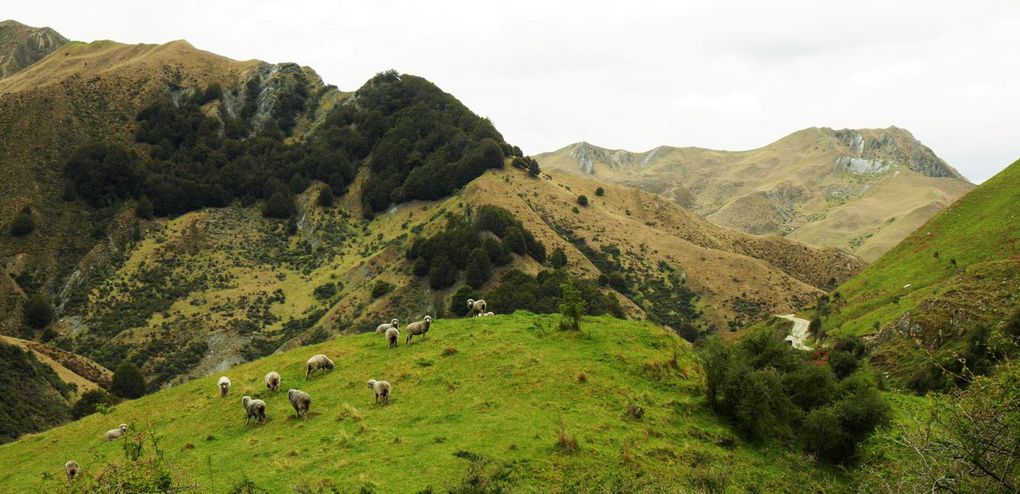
[{"x": 300, "y": 400}]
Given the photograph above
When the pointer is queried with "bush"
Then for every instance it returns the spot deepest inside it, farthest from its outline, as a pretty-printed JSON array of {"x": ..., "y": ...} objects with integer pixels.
[
  {"x": 558, "y": 259},
  {"x": 600, "y": 192},
  {"x": 843, "y": 363},
  {"x": 514, "y": 241},
  {"x": 381, "y": 288},
  {"x": 128, "y": 381},
  {"x": 38, "y": 311},
  {"x": 23, "y": 223},
  {"x": 143, "y": 209},
  {"x": 280, "y": 205},
  {"x": 572, "y": 307},
  {"x": 90, "y": 400},
  {"x": 325, "y": 291},
  {"x": 442, "y": 274},
  {"x": 325, "y": 198},
  {"x": 420, "y": 267},
  {"x": 582, "y": 200},
  {"x": 479, "y": 268}
]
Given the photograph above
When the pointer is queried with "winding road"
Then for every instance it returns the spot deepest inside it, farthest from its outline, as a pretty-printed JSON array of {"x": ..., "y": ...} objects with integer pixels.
[{"x": 798, "y": 333}]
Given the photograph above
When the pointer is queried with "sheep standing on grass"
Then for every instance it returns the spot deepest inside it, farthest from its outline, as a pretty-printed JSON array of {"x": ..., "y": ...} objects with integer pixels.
[
  {"x": 224, "y": 384},
  {"x": 254, "y": 408},
  {"x": 113, "y": 434},
  {"x": 317, "y": 362},
  {"x": 301, "y": 402},
  {"x": 381, "y": 329},
  {"x": 418, "y": 328},
  {"x": 392, "y": 335},
  {"x": 476, "y": 307},
  {"x": 273, "y": 381},
  {"x": 71, "y": 467},
  {"x": 382, "y": 390}
]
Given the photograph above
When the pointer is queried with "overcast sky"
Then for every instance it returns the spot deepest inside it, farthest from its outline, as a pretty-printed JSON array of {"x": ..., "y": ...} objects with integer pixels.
[{"x": 631, "y": 74}]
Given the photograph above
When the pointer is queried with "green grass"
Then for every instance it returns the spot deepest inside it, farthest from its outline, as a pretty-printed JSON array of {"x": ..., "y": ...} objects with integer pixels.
[
  {"x": 982, "y": 227},
  {"x": 503, "y": 393}
]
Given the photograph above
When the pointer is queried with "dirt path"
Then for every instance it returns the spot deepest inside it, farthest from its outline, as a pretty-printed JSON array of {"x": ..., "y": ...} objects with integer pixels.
[{"x": 799, "y": 332}]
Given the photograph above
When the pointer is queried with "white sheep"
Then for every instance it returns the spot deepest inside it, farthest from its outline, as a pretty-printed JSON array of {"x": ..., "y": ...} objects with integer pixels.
[
  {"x": 301, "y": 402},
  {"x": 254, "y": 408},
  {"x": 113, "y": 434},
  {"x": 224, "y": 384},
  {"x": 418, "y": 328},
  {"x": 475, "y": 307},
  {"x": 382, "y": 390},
  {"x": 317, "y": 362},
  {"x": 273, "y": 380},
  {"x": 381, "y": 329},
  {"x": 71, "y": 467},
  {"x": 489, "y": 314},
  {"x": 392, "y": 335}
]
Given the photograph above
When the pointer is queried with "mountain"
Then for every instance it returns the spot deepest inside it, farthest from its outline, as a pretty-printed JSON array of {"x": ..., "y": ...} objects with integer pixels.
[
  {"x": 21, "y": 45},
  {"x": 948, "y": 290},
  {"x": 102, "y": 135},
  {"x": 501, "y": 402},
  {"x": 861, "y": 190}
]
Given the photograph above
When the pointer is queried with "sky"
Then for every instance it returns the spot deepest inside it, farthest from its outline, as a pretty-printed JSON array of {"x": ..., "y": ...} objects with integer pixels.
[{"x": 635, "y": 74}]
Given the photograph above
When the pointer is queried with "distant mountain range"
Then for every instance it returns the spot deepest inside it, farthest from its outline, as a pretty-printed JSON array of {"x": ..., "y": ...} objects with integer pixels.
[{"x": 861, "y": 190}]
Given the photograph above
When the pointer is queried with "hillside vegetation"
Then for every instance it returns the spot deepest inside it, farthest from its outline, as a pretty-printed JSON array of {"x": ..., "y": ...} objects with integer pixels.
[
  {"x": 498, "y": 401},
  {"x": 860, "y": 190},
  {"x": 950, "y": 284}
]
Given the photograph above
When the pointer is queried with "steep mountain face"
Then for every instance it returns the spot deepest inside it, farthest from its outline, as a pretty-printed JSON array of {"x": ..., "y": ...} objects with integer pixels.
[
  {"x": 32, "y": 396},
  {"x": 861, "y": 190},
  {"x": 947, "y": 291},
  {"x": 21, "y": 45},
  {"x": 249, "y": 253}
]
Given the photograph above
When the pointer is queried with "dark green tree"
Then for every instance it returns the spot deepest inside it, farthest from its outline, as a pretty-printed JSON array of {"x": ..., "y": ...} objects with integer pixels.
[
  {"x": 572, "y": 307},
  {"x": 89, "y": 401},
  {"x": 128, "y": 381},
  {"x": 143, "y": 209},
  {"x": 582, "y": 200},
  {"x": 280, "y": 205},
  {"x": 23, "y": 223},
  {"x": 558, "y": 258},
  {"x": 600, "y": 192},
  {"x": 515, "y": 241},
  {"x": 38, "y": 311},
  {"x": 479, "y": 268},
  {"x": 326, "y": 197},
  {"x": 442, "y": 274},
  {"x": 533, "y": 168}
]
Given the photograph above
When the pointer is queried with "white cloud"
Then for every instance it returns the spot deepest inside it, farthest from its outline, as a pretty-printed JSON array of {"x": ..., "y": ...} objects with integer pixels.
[{"x": 732, "y": 75}]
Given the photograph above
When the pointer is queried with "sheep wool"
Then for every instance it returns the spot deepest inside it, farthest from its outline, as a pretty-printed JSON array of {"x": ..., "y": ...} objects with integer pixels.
[
  {"x": 71, "y": 468},
  {"x": 301, "y": 401},
  {"x": 317, "y": 362},
  {"x": 224, "y": 384},
  {"x": 382, "y": 391},
  {"x": 254, "y": 408},
  {"x": 392, "y": 335},
  {"x": 273, "y": 380},
  {"x": 418, "y": 328}
]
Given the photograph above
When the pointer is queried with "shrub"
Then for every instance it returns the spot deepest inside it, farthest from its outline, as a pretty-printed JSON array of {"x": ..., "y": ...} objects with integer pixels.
[
  {"x": 843, "y": 363},
  {"x": 815, "y": 327},
  {"x": 143, "y": 209},
  {"x": 23, "y": 223},
  {"x": 38, "y": 311},
  {"x": 479, "y": 268},
  {"x": 600, "y": 192},
  {"x": 325, "y": 198},
  {"x": 325, "y": 291},
  {"x": 90, "y": 400},
  {"x": 442, "y": 274},
  {"x": 381, "y": 288},
  {"x": 514, "y": 240},
  {"x": 420, "y": 267},
  {"x": 558, "y": 259},
  {"x": 128, "y": 381},
  {"x": 582, "y": 200},
  {"x": 280, "y": 205},
  {"x": 572, "y": 307},
  {"x": 533, "y": 168}
]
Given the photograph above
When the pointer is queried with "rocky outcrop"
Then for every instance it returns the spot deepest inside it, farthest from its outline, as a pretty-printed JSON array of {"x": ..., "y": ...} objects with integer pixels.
[
  {"x": 881, "y": 150},
  {"x": 587, "y": 155},
  {"x": 21, "y": 45}
]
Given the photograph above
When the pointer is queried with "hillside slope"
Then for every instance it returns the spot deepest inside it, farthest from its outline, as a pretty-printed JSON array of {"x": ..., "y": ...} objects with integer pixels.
[
  {"x": 21, "y": 45},
  {"x": 501, "y": 388},
  {"x": 861, "y": 190},
  {"x": 957, "y": 273}
]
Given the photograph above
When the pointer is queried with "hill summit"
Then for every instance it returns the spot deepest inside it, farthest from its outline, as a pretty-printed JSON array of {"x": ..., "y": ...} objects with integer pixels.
[{"x": 21, "y": 45}]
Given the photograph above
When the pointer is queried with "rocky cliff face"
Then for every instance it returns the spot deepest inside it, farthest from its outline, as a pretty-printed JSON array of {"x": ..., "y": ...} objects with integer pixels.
[
  {"x": 21, "y": 45},
  {"x": 875, "y": 154}
]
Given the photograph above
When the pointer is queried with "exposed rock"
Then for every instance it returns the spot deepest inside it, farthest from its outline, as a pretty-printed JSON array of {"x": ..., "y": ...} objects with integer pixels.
[{"x": 21, "y": 45}]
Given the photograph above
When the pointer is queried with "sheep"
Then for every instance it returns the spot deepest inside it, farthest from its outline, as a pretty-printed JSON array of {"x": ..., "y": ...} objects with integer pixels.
[
  {"x": 381, "y": 329},
  {"x": 113, "y": 434},
  {"x": 476, "y": 307},
  {"x": 254, "y": 408},
  {"x": 317, "y": 362},
  {"x": 392, "y": 335},
  {"x": 224, "y": 384},
  {"x": 489, "y": 314},
  {"x": 418, "y": 328},
  {"x": 301, "y": 402},
  {"x": 273, "y": 381},
  {"x": 382, "y": 390},
  {"x": 71, "y": 467}
]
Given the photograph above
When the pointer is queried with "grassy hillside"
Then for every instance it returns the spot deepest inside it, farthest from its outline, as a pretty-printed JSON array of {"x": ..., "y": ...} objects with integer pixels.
[
  {"x": 958, "y": 272},
  {"x": 861, "y": 190},
  {"x": 502, "y": 387}
]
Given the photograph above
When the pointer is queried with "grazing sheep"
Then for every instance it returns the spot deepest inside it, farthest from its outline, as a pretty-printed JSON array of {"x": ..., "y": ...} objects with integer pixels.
[
  {"x": 317, "y": 362},
  {"x": 273, "y": 381},
  {"x": 489, "y": 314},
  {"x": 301, "y": 402},
  {"x": 71, "y": 467},
  {"x": 418, "y": 328},
  {"x": 381, "y": 329},
  {"x": 254, "y": 408},
  {"x": 476, "y": 307},
  {"x": 224, "y": 384},
  {"x": 113, "y": 434},
  {"x": 392, "y": 335},
  {"x": 382, "y": 390}
]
